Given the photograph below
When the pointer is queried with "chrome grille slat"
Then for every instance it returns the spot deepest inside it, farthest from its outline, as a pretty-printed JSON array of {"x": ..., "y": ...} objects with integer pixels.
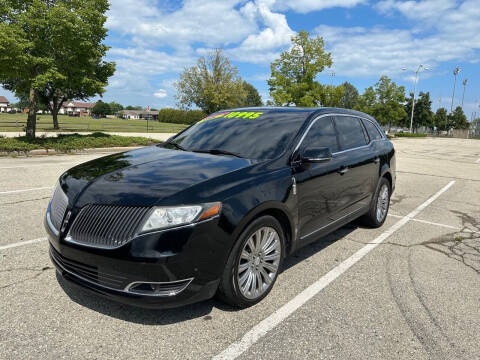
[
  {"x": 106, "y": 226},
  {"x": 58, "y": 207}
]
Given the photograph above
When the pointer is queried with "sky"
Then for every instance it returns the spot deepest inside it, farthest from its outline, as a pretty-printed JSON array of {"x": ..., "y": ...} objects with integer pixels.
[{"x": 153, "y": 41}]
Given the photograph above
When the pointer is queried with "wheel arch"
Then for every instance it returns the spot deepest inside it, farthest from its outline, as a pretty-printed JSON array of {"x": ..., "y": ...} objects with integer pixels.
[{"x": 277, "y": 210}]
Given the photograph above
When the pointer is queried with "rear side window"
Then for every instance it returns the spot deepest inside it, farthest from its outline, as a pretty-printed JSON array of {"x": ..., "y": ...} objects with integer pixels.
[
  {"x": 350, "y": 132},
  {"x": 322, "y": 134},
  {"x": 372, "y": 130}
]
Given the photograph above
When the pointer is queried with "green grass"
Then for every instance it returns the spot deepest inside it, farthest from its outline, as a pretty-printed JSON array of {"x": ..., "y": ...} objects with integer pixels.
[
  {"x": 17, "y": 123},
  {"x": 410, "y": 135},
  {"x": 69, "y": 142}
]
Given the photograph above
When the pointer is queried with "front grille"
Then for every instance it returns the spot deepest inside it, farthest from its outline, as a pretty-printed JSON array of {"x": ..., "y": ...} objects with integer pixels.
[
  {"x": 58, "y": 207},
  {"x": 87, "y": 272},
  {"x": 106, "y": 226}
]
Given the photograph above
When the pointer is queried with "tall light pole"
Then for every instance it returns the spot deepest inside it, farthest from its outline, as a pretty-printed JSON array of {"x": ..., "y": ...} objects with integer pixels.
[
  {"x": 464, "y": 86},
  {"x": 332, "y": 75},
  {"x": 420, "y": 67},
  {"x": 455, "y": 73}
]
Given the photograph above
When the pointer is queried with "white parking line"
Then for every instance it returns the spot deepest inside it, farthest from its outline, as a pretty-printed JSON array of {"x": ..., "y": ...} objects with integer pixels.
[
  {"x": 21, "y": 243},
  {"x": 429, "y": 222},
  {"x": 261, "y": 329},
  {"x": 24, "y": 190}
]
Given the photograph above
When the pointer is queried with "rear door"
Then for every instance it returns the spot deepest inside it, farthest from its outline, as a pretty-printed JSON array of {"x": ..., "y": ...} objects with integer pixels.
[{"x": 359, "y": 164}]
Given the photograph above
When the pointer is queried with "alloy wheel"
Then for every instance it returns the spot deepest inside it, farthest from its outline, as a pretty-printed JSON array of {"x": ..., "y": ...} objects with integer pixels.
[
  {"x": 382, "y": 203},
  {"x": 259, "y": 262}
]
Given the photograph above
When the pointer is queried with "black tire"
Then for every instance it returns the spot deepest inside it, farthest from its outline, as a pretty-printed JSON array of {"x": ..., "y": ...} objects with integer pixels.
[
  {"x": 371, "y": 219},
  {"x": 229, "y": 288}
]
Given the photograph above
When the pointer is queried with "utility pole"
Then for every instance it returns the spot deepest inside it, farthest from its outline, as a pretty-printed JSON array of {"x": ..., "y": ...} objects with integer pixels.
[
  {"x": 455, "y": 73},
  {"x": 420, "y": 67},
  {"x": 464, "y": 86}
]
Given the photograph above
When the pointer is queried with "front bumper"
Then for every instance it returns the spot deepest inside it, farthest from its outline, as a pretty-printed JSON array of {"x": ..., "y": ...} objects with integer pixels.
[{"x": 193, "y": 255}]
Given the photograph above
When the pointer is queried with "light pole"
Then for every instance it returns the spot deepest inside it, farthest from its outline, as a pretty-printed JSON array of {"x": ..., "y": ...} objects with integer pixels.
[
  {"x": 455, "y": 73},
  {"x": 420, "y": 67},
  {"x": 464, "y": 86},
  {"x": 332, "y": 75}
]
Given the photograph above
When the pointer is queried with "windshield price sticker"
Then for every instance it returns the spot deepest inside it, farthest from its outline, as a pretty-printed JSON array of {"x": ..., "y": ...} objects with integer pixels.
[{"x": 233, "y": 115}]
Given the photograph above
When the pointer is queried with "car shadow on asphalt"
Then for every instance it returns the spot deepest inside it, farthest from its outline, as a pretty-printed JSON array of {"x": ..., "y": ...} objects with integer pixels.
[{"x": 143, "y": 316}]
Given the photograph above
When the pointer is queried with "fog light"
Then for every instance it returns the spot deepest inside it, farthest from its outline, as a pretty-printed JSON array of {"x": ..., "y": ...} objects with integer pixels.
[{"x": 171, "y": 288}]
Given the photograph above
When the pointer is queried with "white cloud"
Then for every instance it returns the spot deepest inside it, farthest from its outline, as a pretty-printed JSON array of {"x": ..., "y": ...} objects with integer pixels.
[
  {"x": 305, "y": 6},
  {"x": 210, "y": 22},
  {"x": 359, "y": 51},
  {"x": 160, "y": 93}
]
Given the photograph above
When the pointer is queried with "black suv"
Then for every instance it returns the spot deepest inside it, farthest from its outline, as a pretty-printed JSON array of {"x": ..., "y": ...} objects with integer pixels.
[{"x": 217, "y": 207}]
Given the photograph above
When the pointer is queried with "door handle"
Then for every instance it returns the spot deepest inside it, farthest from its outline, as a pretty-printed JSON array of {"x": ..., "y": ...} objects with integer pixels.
[
  {"x": 343, "y": 170},
  {"x": 376, "y": 160}
]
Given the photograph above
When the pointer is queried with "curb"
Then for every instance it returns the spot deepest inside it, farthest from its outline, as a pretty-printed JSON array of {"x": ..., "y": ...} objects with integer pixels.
[{"x": 44, "y": 152}]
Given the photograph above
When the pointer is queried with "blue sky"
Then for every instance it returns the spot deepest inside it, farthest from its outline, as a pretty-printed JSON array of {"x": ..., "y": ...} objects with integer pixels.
[{"x": 152, "y": 41}]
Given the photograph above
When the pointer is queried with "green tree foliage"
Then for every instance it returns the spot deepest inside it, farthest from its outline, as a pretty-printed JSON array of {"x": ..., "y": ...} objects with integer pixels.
[
  {"x": 422, "y": 113},
  {"x": 384, "y": 101},
  {"x": 115, "y": 107},
  {"x": 213, "y": 84},
  {"x": 441, "y": 119},
  {"x": 253, "y": 98},
  {"x": 293, "y": 75},
  {"x": 457, "y": 119},
  {"x": 179, "y": 116},
  {"x": 350, "y": 96},
  {"x": 132, "y": 107},
  {"x": 52, "y": 51},
  {"x": 101, "y": 109}
]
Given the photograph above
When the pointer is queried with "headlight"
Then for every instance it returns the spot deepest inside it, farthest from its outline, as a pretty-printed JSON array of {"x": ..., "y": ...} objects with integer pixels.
[{"x": 165, "y": 217}]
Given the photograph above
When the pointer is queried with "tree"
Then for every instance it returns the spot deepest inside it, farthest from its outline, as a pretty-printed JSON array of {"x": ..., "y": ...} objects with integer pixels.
[
  {"x": 441, "y": 119},
  {"x": 213, "y": 84},
  {"x": 384, "y": 102},
  {"x": 101, "y": 109},
  {"x": 130, "y": 107},
  {"x": 293, "y": 75},
  {"x": 253, "y": 98},
  {"x": 115, "y": 107},
  {"x": 457, "y": 119},
  {"x": 52, "y": 51},
  {"x": 350, "y": 96},
  {"x": 422, "y": 113}
]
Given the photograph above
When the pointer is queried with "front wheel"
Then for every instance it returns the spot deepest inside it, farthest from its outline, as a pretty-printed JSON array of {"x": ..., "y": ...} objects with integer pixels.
[
  {"x": 254, "y": 263},
  {"x": 380, "y": 204}
]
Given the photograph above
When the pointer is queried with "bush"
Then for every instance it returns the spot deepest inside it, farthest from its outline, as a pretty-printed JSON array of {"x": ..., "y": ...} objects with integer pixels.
[
  {"x": 178, "y": 116},
  {"x": 410, "y": 135},
  {"x": 71, "y": 142}
]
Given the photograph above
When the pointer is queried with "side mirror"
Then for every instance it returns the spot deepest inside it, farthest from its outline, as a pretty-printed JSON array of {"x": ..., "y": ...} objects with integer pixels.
[{"x": 316, "y": 155}]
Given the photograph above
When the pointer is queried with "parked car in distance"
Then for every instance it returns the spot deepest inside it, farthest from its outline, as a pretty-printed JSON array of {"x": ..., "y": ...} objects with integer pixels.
[{"x": 216, "y": 208}]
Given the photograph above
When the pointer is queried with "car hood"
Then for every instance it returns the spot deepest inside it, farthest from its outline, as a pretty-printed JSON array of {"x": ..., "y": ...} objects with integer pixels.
[{"x": 143, "y": 177}]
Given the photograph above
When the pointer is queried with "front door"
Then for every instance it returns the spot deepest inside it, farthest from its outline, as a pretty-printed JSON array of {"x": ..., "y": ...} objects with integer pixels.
[{"x": 320, "y": 188}]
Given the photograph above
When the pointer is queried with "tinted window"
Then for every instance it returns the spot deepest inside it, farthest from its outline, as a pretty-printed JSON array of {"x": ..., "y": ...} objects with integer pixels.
[
  {"x": 350, "y": 132},
  {"x": 322, "y": 134},
  {"x": 372, "y": 130},
  {"x": 263, "y": 136}
]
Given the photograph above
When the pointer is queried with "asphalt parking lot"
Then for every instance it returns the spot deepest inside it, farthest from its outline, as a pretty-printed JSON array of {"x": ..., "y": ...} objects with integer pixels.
[{"x": 409, "y": 290}]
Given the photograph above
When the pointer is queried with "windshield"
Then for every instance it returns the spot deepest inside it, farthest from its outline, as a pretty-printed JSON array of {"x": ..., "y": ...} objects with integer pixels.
[{"x": 253, "y": 135}]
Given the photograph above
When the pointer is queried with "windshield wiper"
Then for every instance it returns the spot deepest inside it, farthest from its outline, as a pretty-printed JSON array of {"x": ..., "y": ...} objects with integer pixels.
[
  {"x": 218, "y": 152},
  {"x": 179, "y": 147}
]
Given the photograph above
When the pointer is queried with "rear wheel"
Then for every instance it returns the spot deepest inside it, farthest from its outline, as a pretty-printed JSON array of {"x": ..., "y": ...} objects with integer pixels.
[
  {"x": 379, "y": 206},
  {"x": 254, "y": 263}
]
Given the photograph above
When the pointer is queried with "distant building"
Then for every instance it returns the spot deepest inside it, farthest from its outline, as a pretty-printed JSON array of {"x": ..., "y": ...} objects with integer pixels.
[
  {"x": 4, "y": 104},
  {"x": 74, "y": 108},
  {"x": 139, "y": 114}
]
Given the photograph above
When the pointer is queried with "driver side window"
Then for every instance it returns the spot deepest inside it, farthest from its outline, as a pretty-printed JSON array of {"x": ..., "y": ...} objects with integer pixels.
[{"x": 322, "y": 134}]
